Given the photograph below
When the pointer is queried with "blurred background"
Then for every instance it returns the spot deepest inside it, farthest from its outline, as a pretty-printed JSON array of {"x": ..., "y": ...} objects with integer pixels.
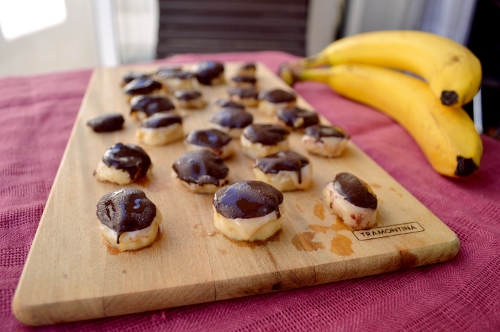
[{"x": 41, "y": 36}]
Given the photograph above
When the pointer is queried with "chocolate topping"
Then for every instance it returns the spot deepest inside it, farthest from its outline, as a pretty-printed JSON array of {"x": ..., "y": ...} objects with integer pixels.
[
  {"x": 232, "y": 118},
  {"x": 126, "y": 210},
  {"x": 244, "y": 79},
  {"x": 206, "y": 71},
  {"x": 209, "y": 138},
  {"x": 355, "y": 191},
  {"x": 277, "y": 96},
  {"x": 130, "y": 158},
  {"x": 187, "y": 94},
  {"x": 200, "y": 167},
  {"x": 248, "y": 66},
  {"x": 243, "y": 92},
  {"x": 229, "y": 103},
  {"x": 266, "y": 134},
  {"x": 319, "y": 131},
  {"x": 150, "y": 105},
  {"x": 247, "y": 199},
  {"x": 282, "y": 161},
  {"x": 142, "y": 86},
  {"x": 290, "y": 115},
  {"x": 106, "y": 122},
  {"x": 161, "y": 120},
  {"x": 129, "y": 77}
]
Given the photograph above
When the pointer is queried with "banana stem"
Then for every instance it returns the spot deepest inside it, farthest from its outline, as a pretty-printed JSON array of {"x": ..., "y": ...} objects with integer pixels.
[
  {"x": 318, "y": 75},
  {"x": 317, "y": 60}
]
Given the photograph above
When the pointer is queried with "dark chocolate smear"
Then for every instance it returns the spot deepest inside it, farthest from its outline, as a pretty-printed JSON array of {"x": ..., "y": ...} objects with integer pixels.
[
  {"x": 355, "y": 191},
  {"x": 106, "y": 122},
  {"x": 160, "y": 120},
  {"x": 282, "y": 161},
  {"x": 247, "y": 199},
  {"x": 290, "y": 114},
  {"x": 232, "y": 118},
  {"x": 142, "y": 86},
  {"x": 129, "y": 77},
  {"x": 229, "y": 103},
  {"x": 209, "y": 138},
  {"x": 126, "y": 210},
  {"x": 206, "y": 71},
  {"x": 266, "y": 134},
  {"x": 200, "y": 167},
  {"x": 277, "y": 96},
  {"x": 319, "y": 131},
  {"x": 244, "y": 79},
  {"x": 243, "y": 92},
  {"x": 187, "y": 94},
  {"x": 130, "y": 158},
  {"x": 150, "y": 105}
]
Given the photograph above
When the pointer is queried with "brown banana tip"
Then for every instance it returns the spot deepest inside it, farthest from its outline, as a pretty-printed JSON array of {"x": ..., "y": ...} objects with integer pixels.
[
  {"x": 287, "y": 74},
  {"x": 449, "y": 98},
  {"x": 465, "y": 166}
]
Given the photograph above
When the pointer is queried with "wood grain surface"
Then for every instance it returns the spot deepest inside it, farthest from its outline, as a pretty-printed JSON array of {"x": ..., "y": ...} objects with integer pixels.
[{"x": 72, "y": 274}]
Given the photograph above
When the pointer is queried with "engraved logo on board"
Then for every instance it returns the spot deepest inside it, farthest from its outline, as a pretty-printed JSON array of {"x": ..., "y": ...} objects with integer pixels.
[{"x": 386, "y": 231}]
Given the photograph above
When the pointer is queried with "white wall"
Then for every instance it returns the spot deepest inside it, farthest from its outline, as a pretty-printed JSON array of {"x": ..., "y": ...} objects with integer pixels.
[{"x": 70, "y": 45}]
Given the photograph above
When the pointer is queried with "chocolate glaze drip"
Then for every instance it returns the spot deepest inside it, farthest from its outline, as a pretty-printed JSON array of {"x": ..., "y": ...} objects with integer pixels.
[
  {"x": 200, "y": 167},
  {"x": 129, "y": 77},
  {"x": 277, "y": 96},
  {"x": 319, "y": 131},
  {"x": 244, "y": 79},
  {"x": 209, "y": 138},
  {"x": 106, "y": 122},
  {"x": 151, "y": 104},
  {"x": 243, "y": 92},
  {"x": 142, "y": 86},
  {"x": 355, "y": 191},
  {"x": 187, "y": 94},
  {"x": 265, "y": 134},
  {"x": 290, "y": 114},
  {"x": 206, "y": 71},
  {"x": 229, "y": 103},
  {"x": 126, "y": 210},
  {"x": 247, "y": 199},
  {"x": 160, "y": 120},
  {"x": 130, "y": 158},
  {"x": 282, "y": 161},
  {"x": 232, "y": 118}
]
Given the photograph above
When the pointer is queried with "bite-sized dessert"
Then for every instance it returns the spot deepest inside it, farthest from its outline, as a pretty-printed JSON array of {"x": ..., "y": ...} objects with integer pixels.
[
  {"x": 176, "y": 78},
  {"x": 270, "y": 101},
  {"x": 222, "y": 103},
  {"x": 129, "y": 220},
  {"x": 326, "y": 141},
  {"x": 142, "y": 107},
  {"x": 244, "y": 81},
  {"x": 248, "y": 211},
  {"x": 218, "y": 142},
  {"x": 285, "y": 170},
  {"x": 201, "y": 171},
  {"x": 249, "y": 97},
  {"x": 231, "y": 120},
  {"x": 296, "y": 118},
  {"x": 247, "y": 69},
  {"x": 160, "y": 129},
  {"x": 352, "y": 200},
  {"x": 209, "y": 72},
  {"x": 130, "y": 76},
  {"x": 123, "y": 164},
  {"x": 106, "y": 122},
  {"x": 260, "y": 140},
  {"x": 190, "y": 99},
  {"x": 142, "y": 86}
]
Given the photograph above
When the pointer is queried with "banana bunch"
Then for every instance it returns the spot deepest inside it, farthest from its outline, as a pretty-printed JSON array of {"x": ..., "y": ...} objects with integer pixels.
[{"x": 363, "y": 70}]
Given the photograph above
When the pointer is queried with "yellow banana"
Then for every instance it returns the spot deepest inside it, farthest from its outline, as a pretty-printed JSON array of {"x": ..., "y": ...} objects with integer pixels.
[
  {"x": 452, "y": 71},
  {"x": 446, "y": 135}
]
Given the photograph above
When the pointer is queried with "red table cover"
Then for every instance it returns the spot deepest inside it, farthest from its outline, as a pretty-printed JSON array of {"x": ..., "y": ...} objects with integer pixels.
[{"x": 36, "y": 117}]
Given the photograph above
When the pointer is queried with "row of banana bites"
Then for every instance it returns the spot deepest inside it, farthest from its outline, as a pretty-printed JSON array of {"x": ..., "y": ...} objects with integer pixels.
[{"x": 245, "y": 210}]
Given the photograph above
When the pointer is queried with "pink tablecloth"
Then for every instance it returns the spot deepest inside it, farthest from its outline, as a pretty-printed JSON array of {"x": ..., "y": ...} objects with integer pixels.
[{"x": 36, "y": 117}]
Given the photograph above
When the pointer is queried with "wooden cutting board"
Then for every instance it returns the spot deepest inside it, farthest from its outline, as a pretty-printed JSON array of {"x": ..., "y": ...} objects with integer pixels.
[{"x": 72, "y": 274}]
